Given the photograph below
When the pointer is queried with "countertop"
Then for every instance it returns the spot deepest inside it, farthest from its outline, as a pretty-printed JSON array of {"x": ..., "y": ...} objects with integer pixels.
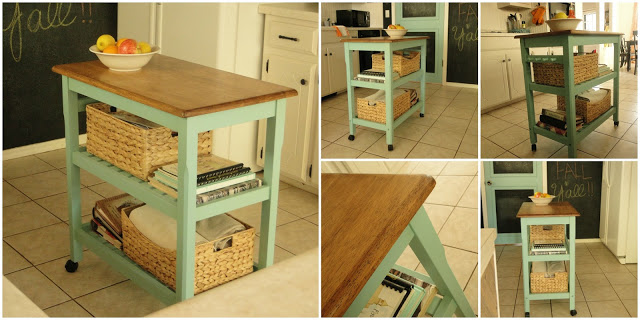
[
  {"x": 302, "y": 11},
  {"x": 353, "y": 28}
]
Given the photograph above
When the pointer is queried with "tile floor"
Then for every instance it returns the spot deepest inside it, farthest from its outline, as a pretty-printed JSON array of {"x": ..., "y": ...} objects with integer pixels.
[
  {"x": 452, "y": 208},
  {"x": 604, "y": 287},
  {"x": 505, "y": 131},
  {"x": 36, "y": 240},
  {"x": 448, "y": 130}
]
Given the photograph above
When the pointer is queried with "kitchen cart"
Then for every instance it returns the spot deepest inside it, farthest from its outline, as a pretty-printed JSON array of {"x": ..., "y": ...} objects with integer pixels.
[
  {"x": 386, "y": 45},
  {"x": 368, "y": 220},
  {"x": 556, "y": 213},
  {"x": 567, "y": 40},
  {"x": 187, "y": 98}
]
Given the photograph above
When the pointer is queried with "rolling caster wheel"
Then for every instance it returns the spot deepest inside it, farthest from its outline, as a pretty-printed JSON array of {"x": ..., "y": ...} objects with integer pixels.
[
  {"x": 533, "y": 147},
  {"x": 422, "y": 115},
  {"x": 616, "y": 123},
  {"x": 71, "y": 266},
  {"x": 351, "y": 137},
  {"x": 390, "y": 147},
  {"x": 573, "y": 313},
  {"x": 526, "y": 314}
]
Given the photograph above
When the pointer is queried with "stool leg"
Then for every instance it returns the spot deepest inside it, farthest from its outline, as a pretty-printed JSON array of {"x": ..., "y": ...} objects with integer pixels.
[{"x": 524, "y": 232}]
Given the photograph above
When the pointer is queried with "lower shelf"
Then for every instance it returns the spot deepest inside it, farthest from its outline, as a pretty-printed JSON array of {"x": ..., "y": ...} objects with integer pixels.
[
  {"x": 581, "y": 134},
  {"x": 119, "y": 261},
  {"x": 549, "y": 296}
]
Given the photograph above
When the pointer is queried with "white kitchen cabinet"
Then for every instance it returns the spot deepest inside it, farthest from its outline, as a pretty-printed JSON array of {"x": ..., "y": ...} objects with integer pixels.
[
  {"x": 514, "y": 5},
  {"x": 495, "y": 82},
  {"x": 334, "y": 69},
  {"x": 290, "y": 58},
  {"x": 325, "y": 81},
  {"x": 516, "y": 74}
]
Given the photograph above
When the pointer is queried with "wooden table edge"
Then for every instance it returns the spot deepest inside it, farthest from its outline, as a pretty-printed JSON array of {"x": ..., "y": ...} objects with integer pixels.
[
  {"x": 574, "y": 214},
  {"x": 566, "y": 32},
  {"x": 384, "y": 39}
]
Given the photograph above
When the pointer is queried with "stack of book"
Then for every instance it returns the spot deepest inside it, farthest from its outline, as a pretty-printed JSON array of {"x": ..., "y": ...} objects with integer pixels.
[
  {"x": 555, "y": 120},
  {"x": 603, "y": 70},
  {"x": 547, "y": 247},
  {"x": 106, "y": 220},
  {"x": 373, "y": 75},
  {"x": 217, "y": 178}
]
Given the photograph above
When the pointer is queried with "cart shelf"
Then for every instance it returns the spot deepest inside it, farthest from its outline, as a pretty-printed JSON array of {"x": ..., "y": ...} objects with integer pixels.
[
  {"x": 414, "y": 76},
  {"x": 580, "y": 134},
  {"x": 580, "y": 87}
]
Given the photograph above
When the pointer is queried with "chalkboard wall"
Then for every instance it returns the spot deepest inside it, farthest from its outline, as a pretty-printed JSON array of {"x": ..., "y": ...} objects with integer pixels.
[
  {"x": 579, "y": 183},
  {"x": 37, "y": 36},
  {"x": 462, "y": 43}
]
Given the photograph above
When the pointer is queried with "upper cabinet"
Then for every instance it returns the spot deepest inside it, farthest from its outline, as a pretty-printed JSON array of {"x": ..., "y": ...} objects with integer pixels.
[{"x": 514, "y": 5}]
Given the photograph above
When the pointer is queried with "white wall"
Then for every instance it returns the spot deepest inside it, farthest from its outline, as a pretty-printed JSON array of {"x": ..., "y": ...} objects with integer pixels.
[
  {"x": 494, "y": 19},
  {"x": 625, "y": 18},
  {"x": 375, "y": 11}
]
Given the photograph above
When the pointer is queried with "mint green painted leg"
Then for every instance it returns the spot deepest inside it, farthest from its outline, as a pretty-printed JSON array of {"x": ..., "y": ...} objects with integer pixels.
[
  {"x": 570, "y": 97},
  {"x": 524, "y": 232},
  {"x": 376, "y": 279},
  {"x": 70, "y": 109},
  {"x": 429, "y": 250},
  {"x": 275, "y": 136},
  {"x": 531, "y": 113},
  {"x": 572, "y": 264},
  {"x": 388, "y": 85},
  {"x": 616, "y": 81},
  {"x": 423, "y": 78},
  {"x": 185, "y": 263},
  {"x": 350, "y": 95},
  {"x": 446, "y": 308}
]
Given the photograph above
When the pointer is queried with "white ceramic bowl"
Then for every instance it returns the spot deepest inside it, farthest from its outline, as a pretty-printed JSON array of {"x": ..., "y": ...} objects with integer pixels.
[
  {"x": 124, "y": 62},
  {"x": 563, "y": 24},
  {"x": 396, "y": 33},
  {"x": 541, "y": 201}
]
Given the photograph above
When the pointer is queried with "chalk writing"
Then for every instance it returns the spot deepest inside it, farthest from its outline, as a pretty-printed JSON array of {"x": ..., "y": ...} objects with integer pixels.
[
  {"x": 55, "y": 17},
  {"x": 462, "y": 34},
  {"x": 575, "y": 182}
]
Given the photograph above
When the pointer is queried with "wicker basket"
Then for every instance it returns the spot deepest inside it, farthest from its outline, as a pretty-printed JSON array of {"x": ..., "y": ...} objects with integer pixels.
[
  {"x": 556, "y": 232},
  {"x": 587, "y": 109},
  {"x": 403, "y": 66},
  {"x": 543, "y": 282},
  {"x": 211, "y": 268},
  {"x": 585, "y": 67},
  {"x": 133, "y": 149},
  {"x": 378, "y": 113}
]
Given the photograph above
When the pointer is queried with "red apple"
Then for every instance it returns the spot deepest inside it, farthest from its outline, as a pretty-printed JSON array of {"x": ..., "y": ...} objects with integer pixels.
[{"x": 128, "y": 46}]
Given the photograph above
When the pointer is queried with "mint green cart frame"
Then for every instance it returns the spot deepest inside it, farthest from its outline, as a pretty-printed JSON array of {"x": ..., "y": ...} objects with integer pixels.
[
  {"x": 425, "y": 243},
  {"x": 183, "y": 209},
  {"x": 388, "y": 85},
  {"x": 570, "y": 256},
  {"x": 570, "y": 90}
]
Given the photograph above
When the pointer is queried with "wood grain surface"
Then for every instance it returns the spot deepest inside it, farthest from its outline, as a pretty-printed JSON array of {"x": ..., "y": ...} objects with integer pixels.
[
  {"x": 178, "y": 87},
  {"x": 383, "y": 39},
  {"x": 554, "y": 209},
  {"x": 567, "y": 32},
  {"x": 362, "y": 217}
]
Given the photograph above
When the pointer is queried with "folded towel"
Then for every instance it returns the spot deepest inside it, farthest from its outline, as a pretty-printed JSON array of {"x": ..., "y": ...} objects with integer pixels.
[
  {"x": 593, "y": 95},
  {"x": 162, "y": 229},
  {"x": 218, "y": 227},
  {"x": 341, "y": 31},
  {"x": 158, "y": 227},
  {"x": 379, "y": 96},
  {"x": 538, "y": 266}
]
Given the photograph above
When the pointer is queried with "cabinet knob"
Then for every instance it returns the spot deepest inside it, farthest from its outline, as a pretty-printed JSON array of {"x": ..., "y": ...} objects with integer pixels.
[
  {"x": 503, "y": 60},
  {"x": 330, "y": 53},
  {"x": 325, "y": 54},
  {"x": 489, "y": 182},
  {"x": 303, "y": 82},
  {"x": 509, "y": 59}
]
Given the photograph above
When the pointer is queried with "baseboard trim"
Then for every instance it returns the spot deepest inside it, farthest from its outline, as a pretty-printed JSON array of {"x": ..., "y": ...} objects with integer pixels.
[
  {"x": 588, "y": 240},
  {"x": 306, "y": 187},
  {"x": 36, "y": 148}
]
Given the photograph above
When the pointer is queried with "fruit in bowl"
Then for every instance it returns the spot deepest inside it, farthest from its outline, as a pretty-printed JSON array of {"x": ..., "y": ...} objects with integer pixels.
[
  {"x": 395, "y": 31},
  {"x": 541, "y": 199},
  {"x": 123, "y": 55}
]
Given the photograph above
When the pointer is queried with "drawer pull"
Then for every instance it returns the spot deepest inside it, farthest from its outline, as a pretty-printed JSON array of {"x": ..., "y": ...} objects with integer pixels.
[
  {"x": 303, "y": 82},
  {"x": 288, "y": 38}
]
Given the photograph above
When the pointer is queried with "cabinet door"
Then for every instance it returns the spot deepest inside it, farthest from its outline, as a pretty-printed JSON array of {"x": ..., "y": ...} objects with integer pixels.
[
  {"x": 314, "y": 176},
  {"x": 338, "y": 68},
  {"x": 303, "y": 77},
  {"x": 326, "y": 73},
  {"x": 495, "y": 84},
  {"x": 516, "y": 74}
]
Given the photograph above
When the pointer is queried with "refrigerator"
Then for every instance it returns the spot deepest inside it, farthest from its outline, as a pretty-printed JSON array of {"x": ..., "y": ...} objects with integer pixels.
[{"x": 619, "y": 210}]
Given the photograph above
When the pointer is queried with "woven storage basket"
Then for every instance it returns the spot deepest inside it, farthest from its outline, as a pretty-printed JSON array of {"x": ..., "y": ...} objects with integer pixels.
[
  {"x": 540, "y": 283},
  {"x": 555, "y": 233},
  {"x": 587, "y": 109},
  {"x": 585, "y": 67},
  {"x": 378, "y": 113},
  {"x": 133, "y": 149},
  {"x": 211, "y": 268},
  {"x": 403, "y": 66}
]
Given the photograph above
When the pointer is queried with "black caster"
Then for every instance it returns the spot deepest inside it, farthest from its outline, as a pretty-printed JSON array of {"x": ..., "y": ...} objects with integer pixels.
[
  {"x": 71, "y": 266},
  {"x": 533, "y": 147},
  {"x": 573, "y": 313},
  {"x": 616, "y": 123},
  {"x": 390, "y": 147},
  {"x": 526, "y": 314},
  {"x": 351, "y": 137},
  {"x": 422, "y": 115}
]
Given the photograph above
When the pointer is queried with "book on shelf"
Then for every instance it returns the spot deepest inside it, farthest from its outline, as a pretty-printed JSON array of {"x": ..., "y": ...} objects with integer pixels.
[
  {"x": 209, "y": 166},
  {"x": 210, "y": 195},
  {"x": 213, "y": 185},
  {"x": 172, "y": 180},
  {"x": 424, "y": 292},
  {"x": 560, "y": 115},
  {"x": 555, "y": 129},
  {"x": 558, "y": 123},
  {"x": 99, "y": 228},
  {"x": 373, "y": 75},
  {"x": 548, "y": 247},
  {"x": 108, "y": 211}
]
